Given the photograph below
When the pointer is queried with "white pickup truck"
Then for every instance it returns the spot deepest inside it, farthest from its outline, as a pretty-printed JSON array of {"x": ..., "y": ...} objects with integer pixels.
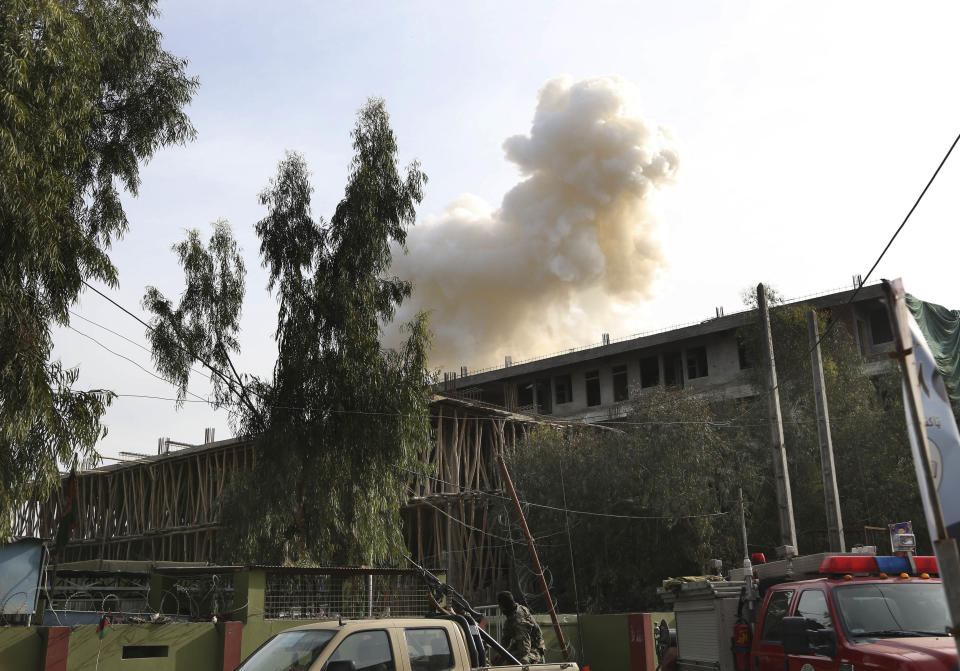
[{"x": 390, "y": 644}]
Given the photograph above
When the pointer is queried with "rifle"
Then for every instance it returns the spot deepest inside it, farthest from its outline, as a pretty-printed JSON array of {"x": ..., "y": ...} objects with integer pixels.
[{"x": 463, "y": 609}]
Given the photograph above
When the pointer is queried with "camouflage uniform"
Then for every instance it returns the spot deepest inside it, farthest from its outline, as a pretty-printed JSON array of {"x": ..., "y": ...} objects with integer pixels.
[{"x": 522, "y": 638}]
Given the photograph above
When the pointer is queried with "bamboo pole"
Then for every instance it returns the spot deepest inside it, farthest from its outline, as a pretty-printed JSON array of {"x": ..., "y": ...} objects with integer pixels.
[{"x": 533, "y": 556}]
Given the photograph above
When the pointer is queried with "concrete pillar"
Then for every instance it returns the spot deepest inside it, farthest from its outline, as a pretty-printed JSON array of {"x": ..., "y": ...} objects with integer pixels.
[
  {"x": 232, "y": 638},
  {"x": 56, "y": 645},
  {"x": 640, "y": 628},
  {"x": 248, "y": 595}
]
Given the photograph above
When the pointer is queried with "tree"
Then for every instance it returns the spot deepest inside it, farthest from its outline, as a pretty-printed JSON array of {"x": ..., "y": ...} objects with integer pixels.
[
  {"x": 337, "y": 428},
  {"x": 653, "y": 495},
  {"x": 874, "y": 466},
  {"x": 677, "y": 456},
  {"x": 87, "y": 94}
]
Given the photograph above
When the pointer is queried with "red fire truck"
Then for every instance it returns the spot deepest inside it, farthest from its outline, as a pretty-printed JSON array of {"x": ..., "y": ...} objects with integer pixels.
[{"x": 836, "y": 612}]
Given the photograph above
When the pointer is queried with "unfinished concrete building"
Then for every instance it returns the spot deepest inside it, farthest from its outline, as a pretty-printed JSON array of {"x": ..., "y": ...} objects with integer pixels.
[{"x": 595, "y": 383}]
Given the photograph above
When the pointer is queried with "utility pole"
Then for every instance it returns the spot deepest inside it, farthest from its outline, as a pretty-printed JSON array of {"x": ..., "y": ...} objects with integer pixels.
[
  {"x": 743, "y": 529},
  {"x": 788, "y": 531},
  {"x": 830, "y": 495},
  {"x": 508, "y": 483}
]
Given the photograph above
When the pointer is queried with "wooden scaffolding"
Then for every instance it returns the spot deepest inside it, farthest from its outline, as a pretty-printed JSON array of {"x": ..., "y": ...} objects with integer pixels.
[{"x": 166, "y": 507}]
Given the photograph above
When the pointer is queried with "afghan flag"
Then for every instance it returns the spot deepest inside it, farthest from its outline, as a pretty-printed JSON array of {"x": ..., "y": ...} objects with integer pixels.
[
  {"x": 68, "y": 512},
  {"x": 104, "y": 625}
]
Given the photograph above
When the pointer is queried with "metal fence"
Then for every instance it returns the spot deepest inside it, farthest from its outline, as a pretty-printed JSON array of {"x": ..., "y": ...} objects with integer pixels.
[
  {"x": 316, "y": 594},
  {"x": 199, "y": 596},
  {"x": 97, "y": 591}
]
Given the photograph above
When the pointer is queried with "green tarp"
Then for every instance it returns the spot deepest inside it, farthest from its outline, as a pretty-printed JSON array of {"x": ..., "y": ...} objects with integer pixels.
[{"x": 941, "y": 328}]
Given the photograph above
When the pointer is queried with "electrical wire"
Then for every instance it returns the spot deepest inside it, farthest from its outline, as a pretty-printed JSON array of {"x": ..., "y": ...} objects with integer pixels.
[
  {"x": 129, "y": 340},
  {"x": 729, "y": 423},
  {"x": 126, "y": 358},
  {"x": 832, "y": 320},
  {"x": 461, "y": 522},
  {"x": 571, "y": 511},
  {"x": 588, "y": 422},
  {"x": 213, "y": 369},
  {"x": 906, "y": 218}
]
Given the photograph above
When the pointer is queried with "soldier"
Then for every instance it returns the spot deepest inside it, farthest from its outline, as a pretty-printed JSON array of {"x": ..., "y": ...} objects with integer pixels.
[{"x": 521, "y": 634}]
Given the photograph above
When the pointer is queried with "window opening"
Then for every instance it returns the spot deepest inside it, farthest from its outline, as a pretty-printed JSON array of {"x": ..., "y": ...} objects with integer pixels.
[
  {"x": 742, "y": 354},
  {"x": 144, "y": 651},
  {"x": 862, "y": 336},
  {"x": 880, "y": 331},
  {"x": 673, "y": 369},
  {"x": 544, "y": 405},
  {"x": 593, "y": 387},
  {"x": 524, "y": 394},
  {"x": 649, "y": 371},
  {"x": 696, "y": 362},
  {"x": 621, "y": 388},
  {"x": 563, "y": 389}
]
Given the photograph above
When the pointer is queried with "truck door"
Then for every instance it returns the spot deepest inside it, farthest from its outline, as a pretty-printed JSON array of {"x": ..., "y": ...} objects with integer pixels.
[
  {"x": 812, "y": 605},
  {"x": 767, "y": 653}
]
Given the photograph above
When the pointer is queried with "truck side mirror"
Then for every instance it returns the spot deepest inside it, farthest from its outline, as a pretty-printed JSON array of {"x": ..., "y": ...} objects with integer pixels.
[
  {"x": 796, "y": 639},
  {"x": 826, "y": 643}
]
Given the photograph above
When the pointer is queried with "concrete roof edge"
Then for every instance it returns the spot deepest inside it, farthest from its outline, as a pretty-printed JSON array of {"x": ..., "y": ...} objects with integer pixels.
[{"x": 706, "y": 327}]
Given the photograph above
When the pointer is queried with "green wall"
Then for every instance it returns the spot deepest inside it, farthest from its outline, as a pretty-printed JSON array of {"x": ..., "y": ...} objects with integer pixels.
[
  {"x": 606, "y": 642},
  {"x": 20, "y": 648},
  {"x": 198, "y": 646},
  {"x": 194, "y": 645}
]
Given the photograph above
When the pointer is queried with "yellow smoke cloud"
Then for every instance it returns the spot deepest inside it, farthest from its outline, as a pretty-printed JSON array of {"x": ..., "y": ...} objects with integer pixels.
[{"x": 569, "y": 243}]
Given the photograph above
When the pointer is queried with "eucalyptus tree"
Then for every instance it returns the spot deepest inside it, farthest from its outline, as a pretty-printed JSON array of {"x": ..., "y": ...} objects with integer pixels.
[
  {"x": 649, "y": 486},
  {"x": 87, "y": 93},
  {"x": 336, "y": 428},
  {"x": 875, "y": 476},
  {"x": 654, "y": 494}
]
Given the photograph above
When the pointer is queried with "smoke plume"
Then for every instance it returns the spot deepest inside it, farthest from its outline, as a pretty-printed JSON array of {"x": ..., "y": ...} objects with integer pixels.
[{"x": 569, "y": 245}]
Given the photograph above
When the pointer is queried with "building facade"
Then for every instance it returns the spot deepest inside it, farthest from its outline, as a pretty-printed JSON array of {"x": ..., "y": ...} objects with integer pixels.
[{"x": 596, "y": 383}]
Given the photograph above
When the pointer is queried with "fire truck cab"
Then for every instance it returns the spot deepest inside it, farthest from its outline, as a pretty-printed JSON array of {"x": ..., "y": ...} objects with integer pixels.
[{"x": 854, "y": 612}]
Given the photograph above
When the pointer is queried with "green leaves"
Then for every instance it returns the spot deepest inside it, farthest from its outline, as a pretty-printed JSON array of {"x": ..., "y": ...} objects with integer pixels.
[
  {"x": 679, "y": 457},
  {"x": 337, "y": 429},
  {"x": 653, "y": 482},
  {"x": 204, "y": 326},
  {"x": 871, "y": 452},
  {"x": 87, "y": 94}
]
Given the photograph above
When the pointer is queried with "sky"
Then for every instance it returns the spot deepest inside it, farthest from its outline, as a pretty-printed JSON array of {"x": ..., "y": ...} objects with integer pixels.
[{"x": 796, "y": 139}]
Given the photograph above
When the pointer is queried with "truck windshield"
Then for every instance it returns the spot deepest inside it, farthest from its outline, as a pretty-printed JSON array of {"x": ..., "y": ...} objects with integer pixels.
[
  {"x": 893, "y": 609},
  {"x": 289, "y": 651}
]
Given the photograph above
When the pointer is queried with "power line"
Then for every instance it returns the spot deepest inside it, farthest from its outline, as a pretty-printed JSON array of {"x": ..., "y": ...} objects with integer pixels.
[
  {"x": 129, "y": 340},
  {"x": 906, "y": 218},
  {"x": 212, "y": 368},
  {"x": 567, "y": 510},
  {"x": 126, "y": 358},
  {"x": 832, "y": 322},
  {"x": 117, "y": 305},
  {"x": 583, "y": 423},
  {"x": 461, "y": 522}
]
